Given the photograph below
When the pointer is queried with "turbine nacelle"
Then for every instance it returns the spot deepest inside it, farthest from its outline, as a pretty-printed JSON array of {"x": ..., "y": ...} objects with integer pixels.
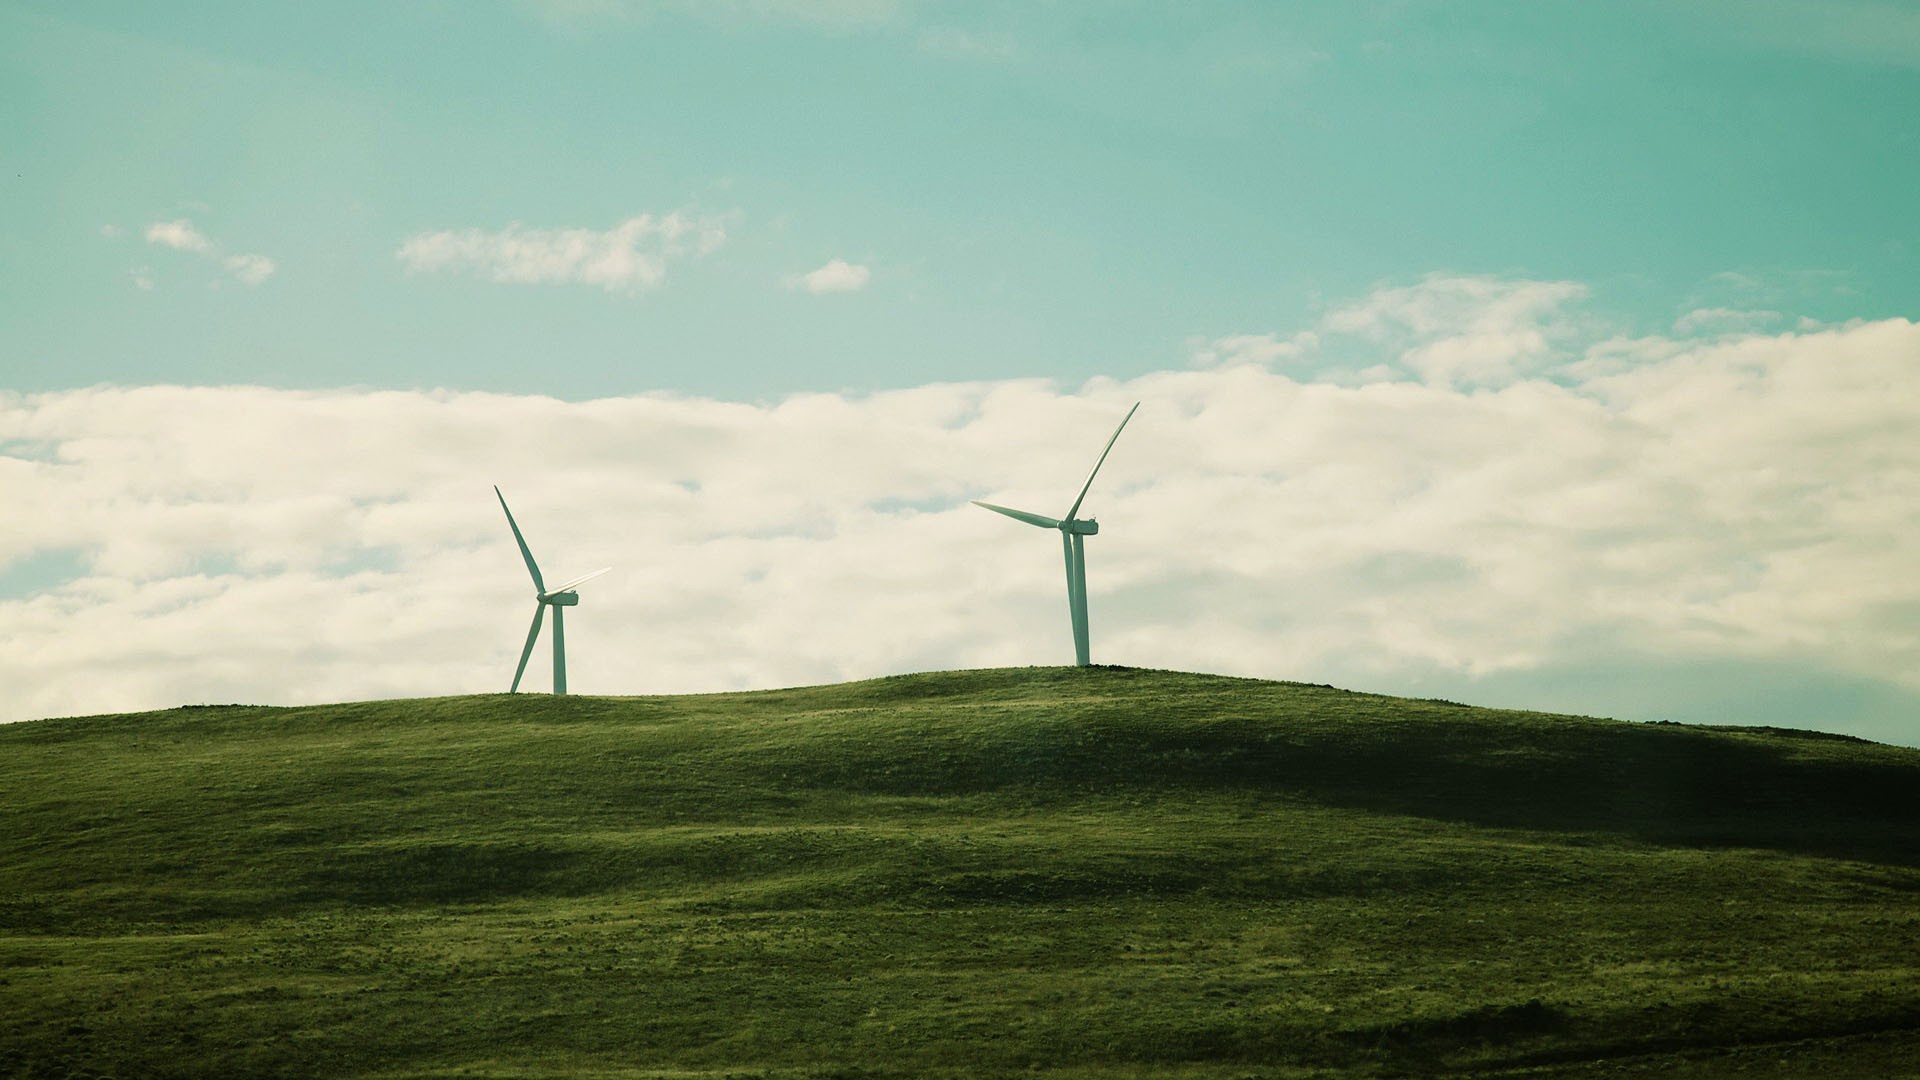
[
  {"x": 1080, "y": 527},
  {"x": 564, "y": 596}
]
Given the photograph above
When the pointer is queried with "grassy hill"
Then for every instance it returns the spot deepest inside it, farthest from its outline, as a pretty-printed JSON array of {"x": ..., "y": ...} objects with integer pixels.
[{"x": 1076, "y": 873}]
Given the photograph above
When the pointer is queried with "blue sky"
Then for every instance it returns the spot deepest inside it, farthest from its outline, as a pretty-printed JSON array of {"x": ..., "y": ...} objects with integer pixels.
[
  {"x": 1038, "y": 189},
  {"x": 445, "y": 214}
]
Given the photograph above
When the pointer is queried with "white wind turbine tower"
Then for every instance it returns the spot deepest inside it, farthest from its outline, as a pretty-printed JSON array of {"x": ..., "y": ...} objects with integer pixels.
[
  {"x": 558, "y": 599},
  {"x": 1071, "y": 531}
]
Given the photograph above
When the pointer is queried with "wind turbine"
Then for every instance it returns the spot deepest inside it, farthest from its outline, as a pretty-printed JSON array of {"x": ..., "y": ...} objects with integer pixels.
[
  {"x": 558, "y": 599},
  {"x": 1071, "y": 530}
]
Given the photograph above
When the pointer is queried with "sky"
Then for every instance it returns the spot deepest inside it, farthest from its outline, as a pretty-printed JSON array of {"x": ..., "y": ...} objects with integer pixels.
[{"x": 1555, "y": 356}]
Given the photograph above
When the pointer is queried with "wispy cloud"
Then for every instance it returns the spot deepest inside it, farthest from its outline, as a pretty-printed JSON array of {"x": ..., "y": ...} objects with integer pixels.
[
  {"x": 968, "y": 44},
  {"x": 828, "y": 12},
  {"x": 182, "y": 235},
  {"x": 1771, "y": 288},
  {"x": 1724, "y": 500},
  {"x": 1852, "y": 31},
  {"x": 1446, "y": 329},
  {"x": 1266, "y": 350},
  {"x": 249, "y": 269},
  {"x": 632, "y": 255},
  {"x": 836, "y": 276},
  {"x": 1465, "y": 330},
  {"x": 1723, "y": 320},
  {"x": 576, "y": 14}
]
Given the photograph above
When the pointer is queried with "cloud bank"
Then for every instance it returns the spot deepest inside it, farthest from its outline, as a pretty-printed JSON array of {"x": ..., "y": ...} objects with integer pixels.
[
  {"x": 1499, "y": 509},
  {"x": 630, "y": 256}
]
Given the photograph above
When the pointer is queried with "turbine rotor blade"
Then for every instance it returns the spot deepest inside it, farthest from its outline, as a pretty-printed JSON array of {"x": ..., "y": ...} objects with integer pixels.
[
  {"x": 533, "y": 569},
  {"x": 579, "y": 580},
  {"x": 1103, "y": 460},
  {"x": 539, "y": 612},
  {"x": 1020, "y": 515}
]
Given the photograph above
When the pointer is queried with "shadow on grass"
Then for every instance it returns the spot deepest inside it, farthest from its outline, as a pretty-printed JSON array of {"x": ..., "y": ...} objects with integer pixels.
[
  {"x": 444, "y": 873},
  {"x": 1666, "y": 784},
  {"x": 1666, "y": 787}
]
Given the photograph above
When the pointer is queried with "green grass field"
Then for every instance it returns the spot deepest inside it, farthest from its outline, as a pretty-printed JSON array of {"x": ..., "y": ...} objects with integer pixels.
[{"x": 1059, "y": 872}]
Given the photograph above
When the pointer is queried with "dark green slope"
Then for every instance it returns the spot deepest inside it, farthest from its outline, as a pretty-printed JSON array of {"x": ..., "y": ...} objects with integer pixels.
[{"x": 1083, "y": 872}]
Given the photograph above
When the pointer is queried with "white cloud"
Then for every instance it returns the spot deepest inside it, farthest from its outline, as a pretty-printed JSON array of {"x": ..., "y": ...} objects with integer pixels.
[
  {"x": 1266, "y": 350},
  {"x": 181, "y": 235},
  {"x": 1466, "y": 330},
  {"x": 968, "y": 44},
  {"x": 1734, "y": 279},
  {"x": 579, "y": 14},
  {"x": 1855, "y": 32},
  {"x": 824, "y": 12},
  {"x": 631, "y": 255},
  {"x": 1446, "y": 330},
  {"x": 1720, "y": 320},
  {"x": 836, "y": 276},
  {"x": 1743, "y": 500},
  {"x": 249, "y": 269}
]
